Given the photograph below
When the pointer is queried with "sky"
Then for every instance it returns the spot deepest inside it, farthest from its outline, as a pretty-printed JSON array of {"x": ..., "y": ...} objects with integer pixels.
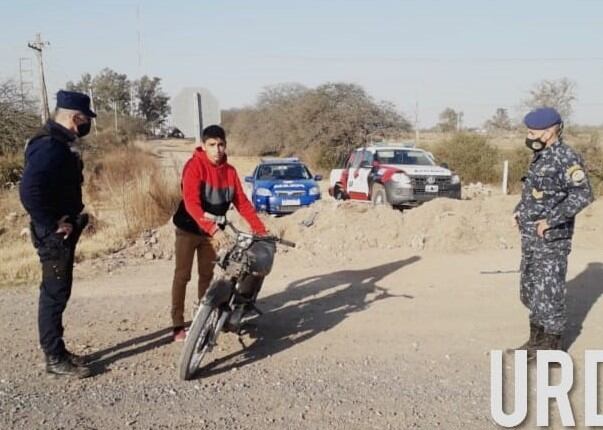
[{"x": 471, "y": 55}]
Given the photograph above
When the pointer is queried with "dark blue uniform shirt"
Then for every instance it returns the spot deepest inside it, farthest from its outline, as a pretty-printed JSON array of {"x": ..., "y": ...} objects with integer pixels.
[{"x": 51, "y": 186}]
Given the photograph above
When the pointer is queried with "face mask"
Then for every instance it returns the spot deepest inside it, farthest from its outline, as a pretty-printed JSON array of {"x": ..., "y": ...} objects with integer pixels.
[
  {"x": 535, "y": 144},
  {"x": 83, "y": 129}
]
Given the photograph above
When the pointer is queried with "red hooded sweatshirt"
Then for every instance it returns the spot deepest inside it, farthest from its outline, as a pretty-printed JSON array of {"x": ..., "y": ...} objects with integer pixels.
[{"x": 211, "y": 188}]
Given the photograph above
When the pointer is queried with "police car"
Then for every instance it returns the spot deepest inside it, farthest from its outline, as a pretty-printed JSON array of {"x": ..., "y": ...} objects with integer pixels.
[
  {"x": 282, "y": 185},
  {"x": 400, "y": 175}
]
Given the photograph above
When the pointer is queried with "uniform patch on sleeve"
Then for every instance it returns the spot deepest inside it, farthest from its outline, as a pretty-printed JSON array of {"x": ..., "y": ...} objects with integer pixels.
[
  {"x": 537, "y": 194},
  {"x": 576, "y": 174}
]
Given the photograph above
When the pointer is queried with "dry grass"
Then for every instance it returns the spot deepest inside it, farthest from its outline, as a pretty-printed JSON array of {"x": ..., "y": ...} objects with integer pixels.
[
  {"x": 126, "y": 192},
  {"x": 19, "y": 260},
  {"x": 132, "y": 185}
]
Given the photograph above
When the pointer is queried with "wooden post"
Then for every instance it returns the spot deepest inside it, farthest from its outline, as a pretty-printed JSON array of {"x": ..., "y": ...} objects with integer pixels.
[{"x": 505, "y": 180}]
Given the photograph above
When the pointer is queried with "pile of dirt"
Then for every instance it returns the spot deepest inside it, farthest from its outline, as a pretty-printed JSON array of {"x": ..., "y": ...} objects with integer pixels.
[
  {"x": 476, "y": 190},
  {"x": 340, "y": 230},
  {"x": 442, "y": 225}
]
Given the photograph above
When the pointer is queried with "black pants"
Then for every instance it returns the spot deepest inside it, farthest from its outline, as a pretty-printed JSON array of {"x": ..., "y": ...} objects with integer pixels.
[{"x": 57, "y": 258}]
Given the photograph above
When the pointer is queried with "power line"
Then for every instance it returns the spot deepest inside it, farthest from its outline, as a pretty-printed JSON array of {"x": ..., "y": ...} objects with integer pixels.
[{"x": 437, "y": 59}]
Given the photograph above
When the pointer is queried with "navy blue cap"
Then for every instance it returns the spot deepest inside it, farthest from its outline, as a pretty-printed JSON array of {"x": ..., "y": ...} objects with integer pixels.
[
  {"x": 75, "y": 101},
  {"x": 542, "y": 118}
]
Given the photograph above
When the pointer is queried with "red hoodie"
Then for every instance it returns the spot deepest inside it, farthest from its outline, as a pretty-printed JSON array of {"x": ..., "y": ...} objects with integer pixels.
[{"x": 211, "y": 188}]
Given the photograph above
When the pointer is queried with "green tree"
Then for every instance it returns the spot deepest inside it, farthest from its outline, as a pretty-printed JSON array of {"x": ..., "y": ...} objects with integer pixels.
[
  {"x": 152, "y": 102},
  {"x": 84, "y": 85},
  {"x": 110, "y": 87}
]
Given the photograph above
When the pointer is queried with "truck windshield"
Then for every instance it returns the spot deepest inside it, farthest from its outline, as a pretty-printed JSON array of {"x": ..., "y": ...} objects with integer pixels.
[
  {"x": 283, "y": 172},
  {"x": 403, "y": 156}
]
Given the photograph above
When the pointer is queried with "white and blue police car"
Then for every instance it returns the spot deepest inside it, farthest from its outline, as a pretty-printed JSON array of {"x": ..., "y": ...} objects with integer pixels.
[{"x": 282, "y": 185}]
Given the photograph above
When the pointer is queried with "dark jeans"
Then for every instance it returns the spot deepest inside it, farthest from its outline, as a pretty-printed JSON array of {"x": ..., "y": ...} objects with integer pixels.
[{"x": 57, "y": 258}]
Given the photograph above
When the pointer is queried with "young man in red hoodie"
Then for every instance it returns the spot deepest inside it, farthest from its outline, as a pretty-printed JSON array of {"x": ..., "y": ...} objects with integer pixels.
[{"x": 209, "y": 186}]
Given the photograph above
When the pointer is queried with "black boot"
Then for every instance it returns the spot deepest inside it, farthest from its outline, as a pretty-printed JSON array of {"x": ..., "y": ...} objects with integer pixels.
[
  {"x": 547, "y": 342},
  {"x": 62, "y": 365},
  {"x": 551, "y": 342},
  {"x": 76, "y": 360},
  {"x": 536, "y": 333}
]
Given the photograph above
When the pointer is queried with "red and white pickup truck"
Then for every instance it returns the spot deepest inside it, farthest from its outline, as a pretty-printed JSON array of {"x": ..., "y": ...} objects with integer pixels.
[{"x": 397, "y": 175}]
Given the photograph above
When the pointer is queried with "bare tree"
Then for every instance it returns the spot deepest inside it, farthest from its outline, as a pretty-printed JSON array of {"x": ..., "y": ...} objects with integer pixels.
[
  {"x": 326, "y": 121},
  {"x": 449, "y": 120},
  {"x": 18, "y": 118},
  {"x": 559, "y": 94},
  {"x": 500, "y": 121}
]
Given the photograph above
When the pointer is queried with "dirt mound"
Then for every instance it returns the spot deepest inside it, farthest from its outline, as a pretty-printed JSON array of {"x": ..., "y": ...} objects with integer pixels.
[
  {"x": 339, "y": 230},
  {"x": 440, "y": 225}
]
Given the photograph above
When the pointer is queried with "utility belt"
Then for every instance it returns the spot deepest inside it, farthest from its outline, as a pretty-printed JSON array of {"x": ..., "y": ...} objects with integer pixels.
[
  {"x": 564, "y": 231},
  {"x": 48, "y": 242}
]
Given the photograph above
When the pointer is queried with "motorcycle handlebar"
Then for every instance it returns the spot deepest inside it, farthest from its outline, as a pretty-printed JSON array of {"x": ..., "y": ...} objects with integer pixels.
[
  {"x": 287, "y": 243},
  {"x": 271, "y": 238}
]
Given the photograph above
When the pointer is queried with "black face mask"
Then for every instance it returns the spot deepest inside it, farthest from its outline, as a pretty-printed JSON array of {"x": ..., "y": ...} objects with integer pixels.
[
  {"x": 535, "y": 145},
  {"x": 83, "y": 129}
]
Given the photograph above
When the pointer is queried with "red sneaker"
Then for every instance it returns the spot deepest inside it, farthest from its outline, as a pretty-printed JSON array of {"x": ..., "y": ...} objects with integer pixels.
[{"x": 179, "y": 334}]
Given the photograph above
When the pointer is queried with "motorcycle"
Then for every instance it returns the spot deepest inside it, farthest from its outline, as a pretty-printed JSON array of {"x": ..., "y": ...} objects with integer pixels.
[{"x": 238, "y": 277}]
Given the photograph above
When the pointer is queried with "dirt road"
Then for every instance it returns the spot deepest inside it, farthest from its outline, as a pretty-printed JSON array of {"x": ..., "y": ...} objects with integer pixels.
[{"x": 381, "y": 339}]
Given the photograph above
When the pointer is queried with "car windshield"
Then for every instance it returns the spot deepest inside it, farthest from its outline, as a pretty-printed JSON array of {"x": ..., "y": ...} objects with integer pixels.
[
  {"x": 283, "y": 172},
  {"x": 403, "y": 156}
]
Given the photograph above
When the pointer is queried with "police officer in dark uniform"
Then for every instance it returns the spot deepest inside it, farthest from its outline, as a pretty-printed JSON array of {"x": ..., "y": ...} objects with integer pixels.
[
  {"x": 51, "y": 192},
  {"x": 555, "y": 189}
]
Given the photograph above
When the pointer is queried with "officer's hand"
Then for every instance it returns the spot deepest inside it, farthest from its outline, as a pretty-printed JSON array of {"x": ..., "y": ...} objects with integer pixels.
[
  {"x": 220, "y": 240},
  {"x": 541, "y": 227},
  {"x": 515, "y": 223},
  {"x": 65, "y": 228}
]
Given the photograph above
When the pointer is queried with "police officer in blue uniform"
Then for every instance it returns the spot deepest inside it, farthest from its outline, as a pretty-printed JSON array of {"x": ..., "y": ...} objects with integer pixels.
[
  {"x": 51, "y": 192},
  {"x": 554, "y": 191}
]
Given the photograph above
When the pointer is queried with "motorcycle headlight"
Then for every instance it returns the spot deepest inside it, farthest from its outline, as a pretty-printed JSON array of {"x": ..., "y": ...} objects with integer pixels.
[
  {"x": 314, "y": 191},
  {"x": 263, "y": 192},
  {"x": 456, "y": 179},
  {"x": 401, "y": 178}
]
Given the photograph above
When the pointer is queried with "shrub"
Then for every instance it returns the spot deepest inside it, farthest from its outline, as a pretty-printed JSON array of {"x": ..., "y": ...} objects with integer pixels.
[
  {"x": 519, "y": 160},
  {"x": 11, "y": 169},
  {"x": 470, "y": 156},
  {"x": 592, "y": 152},
  {"x": 132, "y": 182}
]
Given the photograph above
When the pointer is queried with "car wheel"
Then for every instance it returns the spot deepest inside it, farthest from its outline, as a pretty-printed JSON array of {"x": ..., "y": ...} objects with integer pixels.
[
  {"x": 338, "y": 193},
  {"x": 378, "y": 195}
]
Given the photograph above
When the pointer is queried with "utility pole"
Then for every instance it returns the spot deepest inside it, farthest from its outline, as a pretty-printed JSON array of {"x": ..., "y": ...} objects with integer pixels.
[
  {"x": 38, "y": 45},
  {"x": 417, "y": 123}
]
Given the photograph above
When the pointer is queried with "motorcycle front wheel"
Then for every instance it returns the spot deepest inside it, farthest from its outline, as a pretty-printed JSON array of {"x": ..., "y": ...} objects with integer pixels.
[{"x": 199, "y": 340}]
